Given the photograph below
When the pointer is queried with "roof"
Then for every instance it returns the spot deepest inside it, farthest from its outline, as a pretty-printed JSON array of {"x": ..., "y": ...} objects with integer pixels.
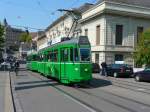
[
  {"x": 84, "y": 7},
  {"x": 143, "y": 3},
  {"x": 80, "y": 9},
  {"x": 33, "y": 34},
  {"x": 41, "y": 36},
  {"x": 14, "y": 29}
]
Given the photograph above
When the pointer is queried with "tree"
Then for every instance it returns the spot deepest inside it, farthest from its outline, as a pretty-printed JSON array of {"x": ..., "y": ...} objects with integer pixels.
[
  {"x": 25, "y": 37},
  {"x": 142, "y": 52},
  {"x": 1, "y": 36}
]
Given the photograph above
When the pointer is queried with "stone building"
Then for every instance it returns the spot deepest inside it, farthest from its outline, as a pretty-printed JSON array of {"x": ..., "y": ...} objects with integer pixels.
[
  {"x": 41, "y": 40},
  {"x": 113, "y": 28},
  {"x": 12, "y": 38}
]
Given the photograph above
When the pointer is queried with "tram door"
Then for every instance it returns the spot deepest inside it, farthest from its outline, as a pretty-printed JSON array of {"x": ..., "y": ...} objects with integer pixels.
[{"x": 64, "y": 60}]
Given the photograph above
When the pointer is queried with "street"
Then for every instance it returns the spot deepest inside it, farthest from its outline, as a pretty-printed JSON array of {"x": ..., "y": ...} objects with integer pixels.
[{"x": 104, "y": 94}]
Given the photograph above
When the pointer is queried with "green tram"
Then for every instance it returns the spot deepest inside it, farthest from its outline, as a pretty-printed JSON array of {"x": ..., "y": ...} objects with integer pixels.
[
  {"x": 68, "y": 61},
  {"x": 32, "y": 61}
]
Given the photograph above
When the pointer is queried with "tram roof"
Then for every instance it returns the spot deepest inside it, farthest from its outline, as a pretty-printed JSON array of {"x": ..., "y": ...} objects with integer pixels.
[{"x": 82, "y": 40}]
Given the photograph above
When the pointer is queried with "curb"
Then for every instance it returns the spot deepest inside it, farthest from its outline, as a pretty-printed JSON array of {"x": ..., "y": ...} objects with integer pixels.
[
  {"x": 8, "y": 101},
  {"x": 16, "y": 103}
]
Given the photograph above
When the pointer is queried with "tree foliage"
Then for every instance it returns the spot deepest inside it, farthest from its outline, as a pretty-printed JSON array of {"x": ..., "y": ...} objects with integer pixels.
[
  {"x": 142, "y": 53},
  {"x": 1, "y": 36},
  {"x": 25, "y": 37}
]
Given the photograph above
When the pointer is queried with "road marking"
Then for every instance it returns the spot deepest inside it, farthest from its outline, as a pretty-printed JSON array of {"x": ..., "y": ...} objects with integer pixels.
[{"x": 85, "y": 106}]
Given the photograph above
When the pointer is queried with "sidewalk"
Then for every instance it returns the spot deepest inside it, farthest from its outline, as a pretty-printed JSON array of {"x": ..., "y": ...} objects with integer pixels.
[{"x": 6, "y": 104}]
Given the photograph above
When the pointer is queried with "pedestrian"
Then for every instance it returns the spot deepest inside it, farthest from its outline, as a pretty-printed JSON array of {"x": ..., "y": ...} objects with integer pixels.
[
  {"x": 104, "y": 69},
  {"x": 16, "y": 67},
  {"x": 11, "y": 66}
]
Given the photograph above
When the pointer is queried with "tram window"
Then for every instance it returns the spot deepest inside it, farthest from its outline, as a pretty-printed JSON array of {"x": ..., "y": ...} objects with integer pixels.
[
  {"x": 33, "y": 58},
  {"x": 85, "y": 54},
  {"x": 64, "y": 55},
  {"x": 51, "y": 57},
  {"x": 71, "y": 54},
  {"x": 55, "y": 56},
  {"x": 41, "y": 57},
  {"x": 76, "y": 57},
  {"x": 46, "y": 57}
]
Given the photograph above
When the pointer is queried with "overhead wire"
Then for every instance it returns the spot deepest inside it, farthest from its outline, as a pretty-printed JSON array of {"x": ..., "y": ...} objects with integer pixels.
[
  {"x": 42, "y": 8},
  {"x": 27, "y": 27}
]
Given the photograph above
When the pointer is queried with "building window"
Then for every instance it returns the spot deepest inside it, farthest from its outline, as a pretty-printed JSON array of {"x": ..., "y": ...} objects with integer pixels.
[
  {"x": 98, "y": 35},
  {"x": 86, "y": 32},
  {"x": 96, "y": 58},
  {"x": 139, "y": 33},
  {"x": 119, "y": 34},
  {"x": 118, "y": 57}
]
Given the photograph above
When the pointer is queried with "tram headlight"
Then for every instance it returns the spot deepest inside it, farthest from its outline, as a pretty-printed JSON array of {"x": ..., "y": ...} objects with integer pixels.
[
  {"x": 85, "y": 69},
  {"x": 76, "y": 69}
]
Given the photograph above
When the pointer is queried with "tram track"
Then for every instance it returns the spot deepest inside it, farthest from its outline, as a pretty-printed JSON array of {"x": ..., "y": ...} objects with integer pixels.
[
  {"x": 128, "y": 86},
  {"x": 135, "y": 83},
  {"x": 66, "y": 93},
  {"x": 109, "y": 101},
  {"x": 100, "y": 98},
  {"x": 125, "y": 98},
  {"x": 138, "y": 83}
]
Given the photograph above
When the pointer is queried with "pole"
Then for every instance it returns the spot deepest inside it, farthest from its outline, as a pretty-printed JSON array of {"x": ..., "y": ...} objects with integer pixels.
[{"x": 5, "y": 53}]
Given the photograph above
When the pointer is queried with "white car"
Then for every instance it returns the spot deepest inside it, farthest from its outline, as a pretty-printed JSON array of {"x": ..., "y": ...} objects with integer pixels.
[{"x": 5, "y": 65}]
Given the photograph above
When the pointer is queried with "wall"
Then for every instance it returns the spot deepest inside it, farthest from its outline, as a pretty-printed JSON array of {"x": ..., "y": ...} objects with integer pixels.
[
  {"x": 61, "y": 29},
  {"x": 41, "y": 43}
]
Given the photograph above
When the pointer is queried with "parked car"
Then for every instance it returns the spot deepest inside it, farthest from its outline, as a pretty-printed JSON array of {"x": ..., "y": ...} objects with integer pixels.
[
  {"x": 143, "y": 75},
  {"x": 122, "y": 70},
  {"x": 5, "y": 66},
  {"x": 95, "y": 68}
]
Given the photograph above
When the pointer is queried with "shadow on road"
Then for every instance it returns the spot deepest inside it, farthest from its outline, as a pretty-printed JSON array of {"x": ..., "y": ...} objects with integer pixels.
[
  {"x": 95, "y": 83},
  {"x": 31, "y": 86},
  {"x": 32, "y": 82}
]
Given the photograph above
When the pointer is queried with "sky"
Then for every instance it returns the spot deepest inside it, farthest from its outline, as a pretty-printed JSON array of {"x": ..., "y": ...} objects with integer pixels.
[{"x": 35, "y": 13}]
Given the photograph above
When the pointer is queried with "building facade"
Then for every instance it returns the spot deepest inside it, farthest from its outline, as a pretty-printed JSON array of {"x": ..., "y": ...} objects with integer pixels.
[
  {"x": 113, "y": 28},
  {"x": 42, "y": 41},
  {"x": 62, "y": 26},
  {"x": 12, "y": 39}
]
